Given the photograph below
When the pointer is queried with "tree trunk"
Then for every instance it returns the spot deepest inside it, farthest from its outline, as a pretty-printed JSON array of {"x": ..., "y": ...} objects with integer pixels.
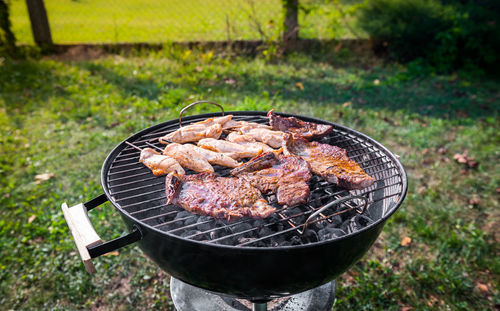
[
  {"x": 39, "y": 23},
  {"x": 291, "y": 24}
]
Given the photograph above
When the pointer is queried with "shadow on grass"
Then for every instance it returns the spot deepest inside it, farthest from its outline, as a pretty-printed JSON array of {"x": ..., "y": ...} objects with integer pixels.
[
  {"x": 311, "y": 80},
  {"x": 127, "y": 84}
]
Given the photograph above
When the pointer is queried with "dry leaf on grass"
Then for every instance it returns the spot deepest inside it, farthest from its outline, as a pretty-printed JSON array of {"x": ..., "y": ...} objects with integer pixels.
[
  {"x": 483, "y": 288},
  {"x": 463, "y": 158},
  {"x": 405, "y": 241},
  {"x": 113, "y": 253},
  {"x": 299, "y": 85},
  {"x": 43, "y": 177}
]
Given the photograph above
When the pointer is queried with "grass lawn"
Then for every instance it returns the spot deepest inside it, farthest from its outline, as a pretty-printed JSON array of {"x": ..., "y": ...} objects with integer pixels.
[
  {"x": 61, "y": 118},
  {"x": 93, "y": 21}
]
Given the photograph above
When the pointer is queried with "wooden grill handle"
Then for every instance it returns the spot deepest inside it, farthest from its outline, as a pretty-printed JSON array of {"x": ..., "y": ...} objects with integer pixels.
[
  {"x": 83, "y": 232},
  {"x": 87, "y": 241}
]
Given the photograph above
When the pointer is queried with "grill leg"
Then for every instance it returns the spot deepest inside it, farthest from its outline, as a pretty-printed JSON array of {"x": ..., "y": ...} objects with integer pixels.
[{"x": 259, "y": 306}]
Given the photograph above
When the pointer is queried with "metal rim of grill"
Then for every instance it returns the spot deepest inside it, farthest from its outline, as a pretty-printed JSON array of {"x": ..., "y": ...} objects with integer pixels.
[{"x": 140, "y": 196}]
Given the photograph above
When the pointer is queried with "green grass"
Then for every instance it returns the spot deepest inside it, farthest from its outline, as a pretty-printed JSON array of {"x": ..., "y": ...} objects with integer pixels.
[
  {"x": 93, "y": 21},
  {"x": 64, "y": 117}
]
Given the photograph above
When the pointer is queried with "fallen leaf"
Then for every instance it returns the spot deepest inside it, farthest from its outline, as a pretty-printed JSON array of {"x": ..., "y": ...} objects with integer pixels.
[
  {"x": 460, "y": 157},
  {"x": 346, "y": 104},
  {"x": 442, "y": 150},
  {"x": 405, "y": 241},
  {"x": 299, "y": 85},
  {"x": 483, "y": 288},
  {"x": 464, "y": 159},
  {"x": 113, "y": 253},
  {"x": 43, "y": 177},
  {"x": 32, "y": 217},
  {"x": 474, "y": 201}
]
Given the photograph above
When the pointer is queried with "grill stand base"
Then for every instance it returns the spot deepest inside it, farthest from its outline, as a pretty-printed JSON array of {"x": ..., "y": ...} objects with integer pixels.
[{"x": 190, "y": 298}]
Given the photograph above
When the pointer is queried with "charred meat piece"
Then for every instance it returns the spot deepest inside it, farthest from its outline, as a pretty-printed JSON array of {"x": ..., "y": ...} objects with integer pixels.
[
  {"x": 219, "y": 197},
  {"x": 209, "y": 128},
  {"x": 159, "y": 164},
  {"x": 296, "y": 126},
  {"x": 233, "y": 150},
  {"x": 286, "y": 176},
  {"x": 329, "y": 162}
]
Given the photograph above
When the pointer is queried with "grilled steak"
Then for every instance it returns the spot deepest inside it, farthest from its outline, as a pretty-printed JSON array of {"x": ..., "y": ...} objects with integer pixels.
[
  {"x": 329, "y": 162},
  {"x": 287, "y": 176},
  {"x": 296, "y": 126},
  {"x": 219, "y": 197}
]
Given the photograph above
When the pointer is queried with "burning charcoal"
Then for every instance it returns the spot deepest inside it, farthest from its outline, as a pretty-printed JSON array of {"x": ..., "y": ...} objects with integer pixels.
[
  {"x": 242, "y": 227},
  {"x": 183, "y": 214},
  {"x": 330, "y": 233},
  {"x": 205, "y": 223},
  {"x": 295, "y": 240},
  {"x": 190, "y": 220},
  {"x": 356, "y": 223},
  {"x": 244, "y": 240},
  {"x": 265, "y": 231},
  {"x": 310, "y": 236},
  {"x": 189, "y": 233},
  {"x": 363, "y": 220},
  {"x": 214, "y": 234}
]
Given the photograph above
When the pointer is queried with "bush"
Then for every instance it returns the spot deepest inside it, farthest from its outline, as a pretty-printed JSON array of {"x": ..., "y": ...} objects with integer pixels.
[{"x": 447, "y": 34}]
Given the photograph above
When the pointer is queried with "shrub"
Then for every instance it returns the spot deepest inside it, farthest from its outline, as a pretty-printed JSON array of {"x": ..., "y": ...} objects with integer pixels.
[{"x": 447, "y": 34}]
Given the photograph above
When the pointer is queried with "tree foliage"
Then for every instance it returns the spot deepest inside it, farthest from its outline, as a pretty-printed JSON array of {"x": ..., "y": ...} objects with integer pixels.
[{"x": 447, "y": 33}]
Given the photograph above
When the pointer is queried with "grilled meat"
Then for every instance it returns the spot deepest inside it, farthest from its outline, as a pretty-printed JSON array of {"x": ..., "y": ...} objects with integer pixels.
[
  {"x": 329, "y": 162},
  {"x": 188, "y": 158},
  {"x": 204, "y": 155},
  {"x": 209, "y": 128},
  {"x": 247, "y": 140},
  {"x": 296, "y": 126},
  {"x": 232, "y": 124},
  {"x": 159, "y": 164},
  {"x": 286, "y": 176},
  {"x": 269, "y": 137},
  {"x": 233, "y": 150},
  {"x": 219, "y": 197}
]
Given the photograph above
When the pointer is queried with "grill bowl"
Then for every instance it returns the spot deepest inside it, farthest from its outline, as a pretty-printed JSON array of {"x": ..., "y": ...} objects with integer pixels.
[{"x": 246, "y": 270}]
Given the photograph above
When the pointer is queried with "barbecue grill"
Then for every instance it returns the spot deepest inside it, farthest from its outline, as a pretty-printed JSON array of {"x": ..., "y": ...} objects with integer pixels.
[{"x": 297, "y": 249}]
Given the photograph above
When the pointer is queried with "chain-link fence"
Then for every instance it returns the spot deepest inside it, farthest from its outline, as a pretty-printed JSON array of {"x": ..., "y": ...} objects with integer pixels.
[{"x": 156, "y": 21}]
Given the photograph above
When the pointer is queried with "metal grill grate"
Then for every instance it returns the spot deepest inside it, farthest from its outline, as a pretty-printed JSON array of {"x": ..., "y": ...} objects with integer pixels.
[{"x": 134, "y": 189}]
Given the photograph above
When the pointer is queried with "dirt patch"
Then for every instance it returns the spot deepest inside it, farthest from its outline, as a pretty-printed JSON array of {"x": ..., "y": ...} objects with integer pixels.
[{"x": 78, "y": 53}]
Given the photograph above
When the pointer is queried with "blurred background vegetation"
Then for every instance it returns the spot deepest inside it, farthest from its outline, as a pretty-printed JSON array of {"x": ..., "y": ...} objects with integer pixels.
[{"x": 445, "y": 34}]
